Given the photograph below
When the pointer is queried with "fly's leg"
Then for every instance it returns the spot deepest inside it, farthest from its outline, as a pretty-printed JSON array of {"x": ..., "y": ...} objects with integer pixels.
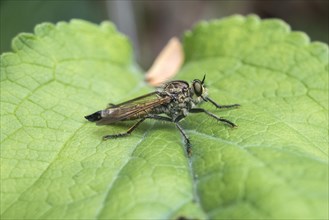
[
  {"x": 201, "y": 110},
  {"x": 132, "y": 128},
  {"x": 128, "y": 132},
  {"x": 221, "y": 106},
  {"x": 111, "y": 105},
  {"x": 186, "y": 139}
]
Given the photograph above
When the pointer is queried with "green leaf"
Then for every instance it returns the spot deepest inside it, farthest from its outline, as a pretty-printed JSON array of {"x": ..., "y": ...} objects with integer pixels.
[{"x": 274, "y": 165}]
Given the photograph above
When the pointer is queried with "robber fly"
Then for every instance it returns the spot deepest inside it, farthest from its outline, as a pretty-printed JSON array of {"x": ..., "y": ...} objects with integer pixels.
[{"x": 171, "y": 103}]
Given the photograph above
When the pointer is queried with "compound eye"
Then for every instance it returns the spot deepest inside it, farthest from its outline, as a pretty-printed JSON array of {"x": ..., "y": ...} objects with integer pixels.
[{"x": 197, "y": 87}]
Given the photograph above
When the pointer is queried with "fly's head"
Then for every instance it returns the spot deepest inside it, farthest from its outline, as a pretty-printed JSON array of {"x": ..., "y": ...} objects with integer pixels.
[{"x": 198, "y": 90}]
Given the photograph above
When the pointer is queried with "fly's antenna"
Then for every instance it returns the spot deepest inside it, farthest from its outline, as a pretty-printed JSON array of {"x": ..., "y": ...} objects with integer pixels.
[{"x": 204, "y": 77}]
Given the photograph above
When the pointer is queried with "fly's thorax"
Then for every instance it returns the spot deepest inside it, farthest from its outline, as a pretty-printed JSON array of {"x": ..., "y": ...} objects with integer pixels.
[
  {"x": 181, "y": 99},
  {"x": 177, "y": 86},
  {"x": 180, "y": 105},
  {"x": 179, "y": 92}
]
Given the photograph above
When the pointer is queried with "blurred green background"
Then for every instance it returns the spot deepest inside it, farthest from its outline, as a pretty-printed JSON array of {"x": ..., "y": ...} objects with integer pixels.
[{"x": 150, "y": 24}]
